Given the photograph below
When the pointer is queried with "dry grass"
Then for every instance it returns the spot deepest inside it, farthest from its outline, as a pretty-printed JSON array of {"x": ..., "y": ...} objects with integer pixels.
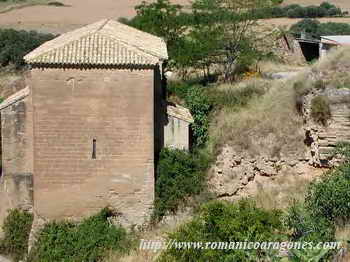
[
  {"x": 288, "y": 22},
  {"x": 268, "y": 126},
  {"x": 274, "y": 67},
  {"x": 280, "y": 192}
]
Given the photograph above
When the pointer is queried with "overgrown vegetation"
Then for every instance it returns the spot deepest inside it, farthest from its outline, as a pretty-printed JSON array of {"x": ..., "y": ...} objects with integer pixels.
[
  {"x": 226, "y": 222},
  {"x": 16, "y": 228},
  {"x": 320, "y": 109},
  {"x": 16, "y": 44},
  {"x": 330, "y": 197},
  {"x": 89, "y": 240},
  {"x": 180, "y": 175},
  {"x": 314, "y": 29},
  {"x": 325, "y": 9}
]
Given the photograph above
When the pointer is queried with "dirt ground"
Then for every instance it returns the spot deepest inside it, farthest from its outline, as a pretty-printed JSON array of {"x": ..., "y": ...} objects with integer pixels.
[{"x": 77, "y": 13}]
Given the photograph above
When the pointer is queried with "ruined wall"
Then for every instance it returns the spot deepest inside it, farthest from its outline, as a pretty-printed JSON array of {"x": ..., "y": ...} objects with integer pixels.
[
  {"x": 236, "y": 175},
  {"x": 289, "y": 51},
  {"x": 16, "y": 182},
  {"x": 323, "y": 139},
  {"x": 73, "y": 107}
]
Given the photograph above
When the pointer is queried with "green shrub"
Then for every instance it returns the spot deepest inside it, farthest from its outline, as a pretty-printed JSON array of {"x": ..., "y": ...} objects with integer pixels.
[
  {"x": 221, "y": 221},
  {"x": 89, "y": 240},
  {"x": 330, "y": 197},
  {"x": 199, "y": 105},
  {"x": 178, "y": 88},
  {"x": 55, "y": 3},
  {"x": 316, "y": 29},
  {"x": 304, "y": 226},
  {"x": 14, "y": 45},
  {"x": 17, "y": 226},
  {"x": 320, "y": 109},
  {"x": 179, "y": 175}
]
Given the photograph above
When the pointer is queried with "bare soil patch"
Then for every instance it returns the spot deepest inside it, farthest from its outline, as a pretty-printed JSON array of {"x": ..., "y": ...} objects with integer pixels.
[{"x": 74, "y": 14}]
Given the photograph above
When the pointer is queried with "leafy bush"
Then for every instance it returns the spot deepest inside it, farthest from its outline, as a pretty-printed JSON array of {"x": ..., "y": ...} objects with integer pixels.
[
  {"x": 87, "y": 241},
  {"x": 306, "y": 227},
  {"x": 55, "y": 3},
  {"x": 17, "y": 226},
  {"x": 221, "y": 221},
  {"x": 320, "y": 109},
  {"x": 179, "y": 175},
  {"x": 307, "y": 25},
  {"x": 16, "y": 44},
  {"x": 330, "y": 197},
  {"x": 316, "y": 29},
  {"x": 178, "y": 88},
  {"x": 199, "y": 105},
  {"x": 296, "y": 11}
]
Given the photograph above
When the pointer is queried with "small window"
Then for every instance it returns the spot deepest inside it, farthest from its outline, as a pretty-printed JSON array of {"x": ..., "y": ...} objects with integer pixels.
[{"x": 94, "y": 148}]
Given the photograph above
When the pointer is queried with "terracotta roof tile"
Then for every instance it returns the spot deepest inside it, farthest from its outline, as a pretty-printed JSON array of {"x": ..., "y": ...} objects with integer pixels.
[
  {"x": 106, "y": 42},
  {"x": 179, "y": 112}
]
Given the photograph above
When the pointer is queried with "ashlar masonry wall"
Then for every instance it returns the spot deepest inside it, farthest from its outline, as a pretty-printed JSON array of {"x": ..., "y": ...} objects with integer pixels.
[{"x": 77, "y": 112}]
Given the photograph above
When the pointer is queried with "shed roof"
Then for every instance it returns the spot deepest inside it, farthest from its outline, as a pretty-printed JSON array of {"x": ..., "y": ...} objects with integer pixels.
[
  {"x": 15, "y": 98},
  {"x": 106, "y": 42},
  {"x": 336, "y": 39},
  {"x": 179, "y": 112}
]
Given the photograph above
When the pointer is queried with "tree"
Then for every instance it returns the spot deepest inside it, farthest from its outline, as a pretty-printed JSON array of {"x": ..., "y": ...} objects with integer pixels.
[
  {"x": 228, "y": 27},
  {"x": 16, "y": 44}
]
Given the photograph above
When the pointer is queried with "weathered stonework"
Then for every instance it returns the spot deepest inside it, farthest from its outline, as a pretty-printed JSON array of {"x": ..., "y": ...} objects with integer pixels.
[
  {"x": 86, "y": 131},
  {"x": 236, "y": 175},
  {"x": 16, "y": 182},
  {"x": 72, "y": 109}
]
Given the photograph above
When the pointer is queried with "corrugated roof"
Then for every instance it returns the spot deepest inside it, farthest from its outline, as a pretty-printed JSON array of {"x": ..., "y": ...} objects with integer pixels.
[
  {"x": 336, "y": 39},
  {"x": 179, "y": 112},
  {"x": 106, "y": 42}
]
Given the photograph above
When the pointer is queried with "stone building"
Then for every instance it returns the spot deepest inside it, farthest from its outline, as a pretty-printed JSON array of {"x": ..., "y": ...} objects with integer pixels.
[
  {"x": 85, "y": 132},
  {"x": 177, "y": 130}
]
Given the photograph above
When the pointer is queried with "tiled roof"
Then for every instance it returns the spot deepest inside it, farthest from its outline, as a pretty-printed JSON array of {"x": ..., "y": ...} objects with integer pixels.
[
  {"x": 15, "y": 98},
  {"x": 106, "y": 42},
  {"x": 179, "y": 112}
]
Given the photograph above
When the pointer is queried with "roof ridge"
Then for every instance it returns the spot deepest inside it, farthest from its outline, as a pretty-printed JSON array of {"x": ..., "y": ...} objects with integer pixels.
[{"x": 104, "y": 42}]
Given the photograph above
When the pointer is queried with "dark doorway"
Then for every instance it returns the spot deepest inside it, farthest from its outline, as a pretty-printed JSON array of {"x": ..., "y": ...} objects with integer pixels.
[{"x": 310, "y": 49}]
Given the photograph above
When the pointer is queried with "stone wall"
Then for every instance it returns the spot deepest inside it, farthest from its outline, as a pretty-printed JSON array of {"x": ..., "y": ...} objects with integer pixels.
[
  {"x": 16, "y": 182},
  {"x": 72, "y": 108},
  {"x": 237, "y": 175},
  {"x": 323, "y": 139}
]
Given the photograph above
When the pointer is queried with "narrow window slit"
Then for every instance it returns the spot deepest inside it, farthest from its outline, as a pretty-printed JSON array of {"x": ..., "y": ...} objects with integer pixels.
[{"x": 94, "y": 148}]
